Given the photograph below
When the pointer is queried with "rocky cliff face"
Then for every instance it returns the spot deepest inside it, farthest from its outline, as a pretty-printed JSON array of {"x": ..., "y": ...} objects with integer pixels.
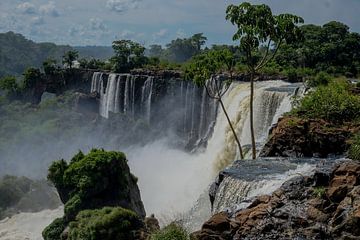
[
  {"x": 294, "y": 137},
  {"x": 325, "y": 205}
]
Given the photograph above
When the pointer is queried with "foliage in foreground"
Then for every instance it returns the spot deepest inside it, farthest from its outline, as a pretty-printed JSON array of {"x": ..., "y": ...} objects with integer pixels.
[
  {"x": 171, "y": 232},
  {"x": 354, "y": 152},
  {"x": 334, "y": 103},
  {"x": 105, "y": 224}
]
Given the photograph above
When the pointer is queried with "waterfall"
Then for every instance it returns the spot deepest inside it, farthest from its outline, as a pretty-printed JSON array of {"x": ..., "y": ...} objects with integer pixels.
[
  {"x": 236, "y": 193},
  {"x": 272, "y": 99},
  {"x": 146, "y": 95},
  {"x": 96, "y": 82},
  {"x": 127, "y": 94},
  {"x": 202, "y": 113}
]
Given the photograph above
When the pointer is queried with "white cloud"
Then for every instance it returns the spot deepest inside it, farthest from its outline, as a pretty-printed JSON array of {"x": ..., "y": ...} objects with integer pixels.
[
  {"x": 97, "y": 24},
  {"x": 26, "y": 8},
  {"x": 161, "y": 33},
  {"x": 180, "y": 33},
  {"x": 49, "y": 9},
  {"x": 122, "y": 5},
  {"x": 38, "y": 20}
]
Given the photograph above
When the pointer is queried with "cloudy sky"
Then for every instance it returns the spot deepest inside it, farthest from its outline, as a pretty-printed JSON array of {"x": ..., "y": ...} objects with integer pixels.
[{"x": 99, "y": 22}]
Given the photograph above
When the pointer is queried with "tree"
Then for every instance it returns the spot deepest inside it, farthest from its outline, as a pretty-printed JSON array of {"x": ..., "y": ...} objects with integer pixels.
[
  {"x": 198, "y": 40},
  {"x": 10, "y": 86},
  {"x": 181, "y": 50},
  {"x": 156, "y": 50},
  {"x": 49, "y": 66},
  {"x": 128, "y": 55},
  {"x": 69, "y": 57},
  {"x": 203, "y": 69},
  {"x": 257, "y": 26},
  {"x": 31, "y": 77}
]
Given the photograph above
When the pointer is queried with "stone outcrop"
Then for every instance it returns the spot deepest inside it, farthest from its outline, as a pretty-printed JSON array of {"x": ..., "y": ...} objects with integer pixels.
[
  {"x": 323, "y": 206},
  {"x": 294, "y": 137},
  {"x": 21, "y": 194},
  {"x": 87, "y": 103},
  {"x": 59, "y": 82},
  {"x": 97, "y": 183}
]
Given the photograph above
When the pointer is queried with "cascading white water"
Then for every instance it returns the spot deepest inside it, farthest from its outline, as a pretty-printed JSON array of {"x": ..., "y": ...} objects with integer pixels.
[
  {"x": 233, "y": 193},
  {"x": 95, "y": 83},
  {"x": 146, "y": 95},
  {"x": 171, "y": 180}
]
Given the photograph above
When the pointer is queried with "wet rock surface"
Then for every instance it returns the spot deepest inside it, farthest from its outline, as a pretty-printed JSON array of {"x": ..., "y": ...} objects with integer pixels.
[{"x": 325, "y": 205}]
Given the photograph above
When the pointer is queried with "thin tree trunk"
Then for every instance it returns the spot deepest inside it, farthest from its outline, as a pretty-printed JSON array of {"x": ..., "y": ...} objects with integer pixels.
[
  {"x": 252, "y": 115},
  {"x": 232, "y": 128}
]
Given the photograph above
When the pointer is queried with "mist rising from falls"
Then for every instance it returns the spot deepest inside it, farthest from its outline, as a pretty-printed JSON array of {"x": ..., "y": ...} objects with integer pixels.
[{"x": 171, "y": 179}]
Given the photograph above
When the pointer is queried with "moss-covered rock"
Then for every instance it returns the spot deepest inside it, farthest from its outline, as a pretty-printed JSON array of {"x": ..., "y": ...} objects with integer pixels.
[
  {"x": 101, "y": 197},
  {"x": 105, "y": 224}
]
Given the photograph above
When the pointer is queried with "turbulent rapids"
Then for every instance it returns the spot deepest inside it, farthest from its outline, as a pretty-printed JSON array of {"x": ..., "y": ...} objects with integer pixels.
[{"x": 175, "y": 168}]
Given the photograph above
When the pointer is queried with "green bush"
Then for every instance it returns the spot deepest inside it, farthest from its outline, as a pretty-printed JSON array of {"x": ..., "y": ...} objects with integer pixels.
[
  {"x": 322, "y": 78},
  {"x": 354, "y": 152},
  {"x": 334, "y": 103},
  {"x": 105, "y": 224},
  {"x": 171, "y": 232},
  {"x": 292, "y": 74},
  {"x": 54, "y": 230}
]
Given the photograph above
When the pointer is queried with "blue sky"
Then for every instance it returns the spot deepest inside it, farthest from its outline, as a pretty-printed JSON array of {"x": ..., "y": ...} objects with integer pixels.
[{"x": 99, "y": 22}]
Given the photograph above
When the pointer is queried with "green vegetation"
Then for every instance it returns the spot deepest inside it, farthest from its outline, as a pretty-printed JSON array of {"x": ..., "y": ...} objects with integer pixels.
[
  {"x": 171, "y": 232},
  {"x": 54, "y": 230},
  {"x": 319, "y": 192},
  {"x": 128, "y": 55},
  {"x": 258, "y": 26},
  {"x": 354, "y": 152},
  {"x": 322, "y": 78},
  {"x": 69, "y": 57},
  {"x": 93, "y": 188},
  {"x": 334, "y": 103},
  {"x": 202, "y": 69},
  {"x": 17, "y": 53},
  {"x": 10, "y": 86},
  {"x": 32, "y": 76},
  {"x": 179, "y": 50},
  {"x": 330, "y": 48},
  {"x": 105, "y": 224},
  {"x": 86, "y": 177}
]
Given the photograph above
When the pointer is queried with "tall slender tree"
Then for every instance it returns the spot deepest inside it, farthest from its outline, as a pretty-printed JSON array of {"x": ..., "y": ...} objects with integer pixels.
[
  {"x": 203, "y": 69},
  {"x": 69, "y": 57},
  {"x": 257, "y": 26}
]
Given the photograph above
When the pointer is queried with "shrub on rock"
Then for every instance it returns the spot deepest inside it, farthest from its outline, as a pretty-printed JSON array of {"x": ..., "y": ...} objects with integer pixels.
[
  {"x": 171, "y": 232},
  {"x": 105, "y": 224},
  {"x": 89, "y": 183},
  {"x": 354, "y": 152}
]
